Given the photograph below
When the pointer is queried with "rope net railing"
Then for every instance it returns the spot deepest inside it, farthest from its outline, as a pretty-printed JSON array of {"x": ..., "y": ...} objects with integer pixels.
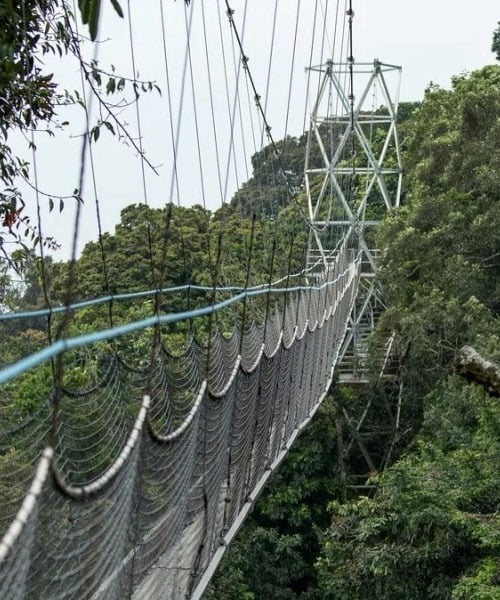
[{"x": 125, "y": 484}]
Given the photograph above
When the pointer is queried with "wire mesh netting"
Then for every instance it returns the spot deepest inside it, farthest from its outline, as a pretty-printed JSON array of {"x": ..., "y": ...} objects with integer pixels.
[{"x": 126, "y": 488}]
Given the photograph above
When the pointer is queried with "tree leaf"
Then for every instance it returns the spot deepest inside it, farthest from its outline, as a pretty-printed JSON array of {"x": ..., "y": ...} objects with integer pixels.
[
  {"x": 117, "y": 8},
  {"x": 109, "y": 127},
  {"x": 95, "y": 9}
]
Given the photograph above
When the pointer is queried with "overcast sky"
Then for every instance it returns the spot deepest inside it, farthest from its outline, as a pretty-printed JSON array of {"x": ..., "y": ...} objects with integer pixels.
[{"x": 432, "y": 41}]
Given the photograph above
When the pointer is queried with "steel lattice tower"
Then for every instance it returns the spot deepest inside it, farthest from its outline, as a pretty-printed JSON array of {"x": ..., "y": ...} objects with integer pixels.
[{"x": 353, "y": 175}]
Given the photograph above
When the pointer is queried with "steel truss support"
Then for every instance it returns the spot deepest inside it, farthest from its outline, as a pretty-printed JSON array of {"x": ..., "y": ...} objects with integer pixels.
[{"x": 353, "y": 175}]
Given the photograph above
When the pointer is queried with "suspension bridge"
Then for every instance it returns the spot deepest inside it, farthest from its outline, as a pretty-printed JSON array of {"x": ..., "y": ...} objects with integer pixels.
[{"x": 133, "y": 483}]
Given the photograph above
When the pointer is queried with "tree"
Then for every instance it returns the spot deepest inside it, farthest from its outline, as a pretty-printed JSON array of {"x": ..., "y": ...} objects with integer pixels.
[
  {"x": 32, "y": 29},
  {"x": 495, "y": 45},
  {"x": 432, "y": 529},
  {"x": 441, "y": 267}
]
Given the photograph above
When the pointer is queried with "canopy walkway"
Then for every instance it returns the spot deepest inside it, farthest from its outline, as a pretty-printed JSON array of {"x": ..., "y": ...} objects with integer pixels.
[{"x": 130, "y": 472}]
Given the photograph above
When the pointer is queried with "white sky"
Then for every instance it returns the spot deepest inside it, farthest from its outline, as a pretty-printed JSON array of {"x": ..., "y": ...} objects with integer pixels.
[{"x": 432, "y": 41}]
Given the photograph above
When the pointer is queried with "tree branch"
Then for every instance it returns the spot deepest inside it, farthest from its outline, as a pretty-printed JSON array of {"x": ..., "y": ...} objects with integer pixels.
[{"x": 474, "y": 367}]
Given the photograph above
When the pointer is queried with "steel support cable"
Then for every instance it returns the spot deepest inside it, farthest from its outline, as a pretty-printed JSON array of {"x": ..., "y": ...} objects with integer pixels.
[
  {"x": 251, "y": 113},
  {"x": 43, "y": 272},
  {"x": 235, "y": 108},
  {"x": 211, "y": 96},
  {"x": 325, "y": 8},
  {"x": 155, "y": 282},
  {"x": 174, "y": 180},
  {"x": 323, "y": 35},
  {"x": 335, "y": 29},
  {"x": 230, "y": 111},
  {"x": 350, "y": 60},
  {"x": 344, "y": 47},
  {"x": 267, "y": 127},
  {"x": 214, "y": 271},
  {"x": 236, "y": 67},
  {"x": 94, "y": 180},
  {"x": 268, "y": 177},
  {"x": 242, "y": 434},
  {"x": 175, "y": 176},
  {"x": 335, "y": 112},
  {"x": 290, "y": 83},
  {"x": 195, "y": 107},
  {"x": 278, "y": 363},
  {"x": 292, "y": 68},
  {"x": 241, "y": 419},
  {"x": 62, "y": 329},
  {"x": 140, "y": 143},
  {"x": 247, "y": 280},
  {"x": 76, "y": 224},
  {"x": 269, "y": 68},
  {"x": 309, "y": 69},
  {"x": 175, "y": 143},
  {"x": 24, "y": 444}
]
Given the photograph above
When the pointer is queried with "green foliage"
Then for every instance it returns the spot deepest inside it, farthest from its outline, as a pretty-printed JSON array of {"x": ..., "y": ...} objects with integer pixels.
[
  {"x": 30, "y": 29},
  {"x": 433, "y": 524},
  {"x": 495, "y": 45},
  {"x": 90, "y": 10},
  {"x": 432, "y": 529},
  {"x": 441, "y": 267},
  {"x": 31, "y": 99},
  {"x": 274, "y": 555}
]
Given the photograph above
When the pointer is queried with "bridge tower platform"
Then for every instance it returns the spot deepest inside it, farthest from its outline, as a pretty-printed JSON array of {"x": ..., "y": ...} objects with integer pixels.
[{"x": 353, "y": 176}]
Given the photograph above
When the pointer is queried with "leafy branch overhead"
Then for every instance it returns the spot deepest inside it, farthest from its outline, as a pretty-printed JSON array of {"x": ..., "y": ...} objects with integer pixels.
[
  {"x": 32, "y": 101},
  {"x": 90, "y": 11}
]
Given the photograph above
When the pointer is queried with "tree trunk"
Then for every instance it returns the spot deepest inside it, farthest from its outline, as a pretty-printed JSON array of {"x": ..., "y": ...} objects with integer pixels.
[{"x": 474, "y": 367}]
